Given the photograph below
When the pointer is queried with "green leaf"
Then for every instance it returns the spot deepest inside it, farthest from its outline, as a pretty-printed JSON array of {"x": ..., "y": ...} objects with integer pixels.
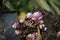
[
  {"x": 16, "y": 4},
  {"x": 24, "y": 3},
  {"x": 30, "y": 6},
  {"x": 43, "y": 4},
  {"x": 57, "y": 10},
  {"x": 9, "y": 6}
]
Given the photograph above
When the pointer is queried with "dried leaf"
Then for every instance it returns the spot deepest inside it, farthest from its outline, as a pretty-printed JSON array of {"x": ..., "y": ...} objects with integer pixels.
[{"x": 22, "y": 16}]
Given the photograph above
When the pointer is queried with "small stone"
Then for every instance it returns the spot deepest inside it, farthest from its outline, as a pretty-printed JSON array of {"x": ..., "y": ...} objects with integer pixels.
[
  {"x": 17, "y": 32},
  {"x": 45, "y": 29}
]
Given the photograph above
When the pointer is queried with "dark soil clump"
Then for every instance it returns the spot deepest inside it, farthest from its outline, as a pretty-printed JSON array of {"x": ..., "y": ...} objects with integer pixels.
[{"x": 52, "y": 22}]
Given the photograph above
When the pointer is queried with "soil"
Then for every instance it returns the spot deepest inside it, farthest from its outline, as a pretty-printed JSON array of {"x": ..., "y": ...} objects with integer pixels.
[{"x": 52, "y": 22}]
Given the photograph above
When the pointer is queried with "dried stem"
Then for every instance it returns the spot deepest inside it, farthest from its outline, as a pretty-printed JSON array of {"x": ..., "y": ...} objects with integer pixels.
[{"x": 39, "y": 35}]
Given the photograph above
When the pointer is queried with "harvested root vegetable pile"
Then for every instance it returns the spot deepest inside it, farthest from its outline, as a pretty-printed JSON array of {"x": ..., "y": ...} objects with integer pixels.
[
  {"x": 38, "y": 26},
  {"x": 37, "y": 19}
]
